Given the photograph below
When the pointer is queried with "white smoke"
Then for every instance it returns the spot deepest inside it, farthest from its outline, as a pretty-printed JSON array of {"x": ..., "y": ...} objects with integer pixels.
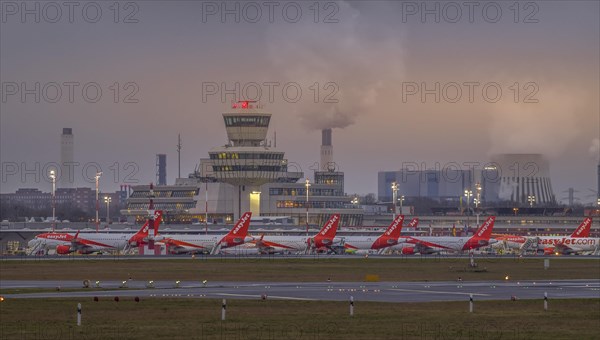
[
  {"x": 359, "y": 63},
  {"x": 546, "y": 127},
  {"x": 594, "y": 149}
]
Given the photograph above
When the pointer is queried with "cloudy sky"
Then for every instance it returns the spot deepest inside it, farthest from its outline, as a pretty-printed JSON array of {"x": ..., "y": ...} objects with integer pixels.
[{"x": 399, "y": 81}]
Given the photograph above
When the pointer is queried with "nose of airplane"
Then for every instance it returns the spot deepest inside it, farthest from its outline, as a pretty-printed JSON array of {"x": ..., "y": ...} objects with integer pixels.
[{"x": 33, "y": 242}]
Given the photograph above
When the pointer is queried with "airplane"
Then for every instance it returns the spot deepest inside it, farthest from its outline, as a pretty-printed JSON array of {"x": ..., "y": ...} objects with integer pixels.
[
  {"x": 366, "y": 244},
  {"x": 578, "y": 242},
  {"x": 87, "y": 243},
  {"x": 435, "y": 244},
  {"x": 413, "y": 223},
  {"x": 182, "y": 244},
  {"x": 323, "y": 241}
]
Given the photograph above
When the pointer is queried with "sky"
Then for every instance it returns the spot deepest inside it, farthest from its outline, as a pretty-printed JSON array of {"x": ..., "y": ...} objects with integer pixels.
[{"x": 400, "y": 82}]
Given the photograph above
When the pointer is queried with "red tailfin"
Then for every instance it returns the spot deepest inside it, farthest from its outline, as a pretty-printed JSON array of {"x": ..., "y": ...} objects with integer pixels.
[
  {"x": 394, "y": 229},
  {"x": 485, "y": 231},
  {"x": 143, "y": 232},
  {"x": 413, "y": 223},
  {"x": 157, "y": 220},
  {"x": 240, "y": 229},
  {"x": 584, "y": 228},
  {"x": 330, "y": 228}
]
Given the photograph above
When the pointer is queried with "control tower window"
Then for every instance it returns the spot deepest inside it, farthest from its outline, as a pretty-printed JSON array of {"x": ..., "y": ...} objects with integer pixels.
[{"x": 256, "y": 121}]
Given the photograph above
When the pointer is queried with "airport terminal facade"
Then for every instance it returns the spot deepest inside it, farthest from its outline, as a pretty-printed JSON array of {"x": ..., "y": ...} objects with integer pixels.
[{"x": 249, "y": 174}]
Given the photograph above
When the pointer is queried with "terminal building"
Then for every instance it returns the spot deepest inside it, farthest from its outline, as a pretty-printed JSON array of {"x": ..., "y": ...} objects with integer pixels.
[{"x": 249, "y": 173}]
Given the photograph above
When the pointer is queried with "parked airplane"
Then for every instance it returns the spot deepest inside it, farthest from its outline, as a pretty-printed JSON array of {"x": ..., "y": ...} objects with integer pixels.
[
  {"x": 413, "y": 223},
  {"x": 366, "y": 244},
  {"x": 436, "y": 244},
  {"x": 578, "y": 242},
  {"x": 324, "y": 240},
  {"x": 87, "y": 243},
  {"x": 181, "y": 244}
]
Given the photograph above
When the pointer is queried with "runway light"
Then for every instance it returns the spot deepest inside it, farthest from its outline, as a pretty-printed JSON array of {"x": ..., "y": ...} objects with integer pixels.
[
  {"x": 1, "y": 298},
  {"x": 506, "y": 277}
]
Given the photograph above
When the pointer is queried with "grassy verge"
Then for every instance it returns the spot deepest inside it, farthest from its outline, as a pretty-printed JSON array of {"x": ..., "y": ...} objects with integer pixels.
[
  {"x": 52, "y": 290},
  {"x": 308, "y": 270},
  {"x": 270, "y": 319}
]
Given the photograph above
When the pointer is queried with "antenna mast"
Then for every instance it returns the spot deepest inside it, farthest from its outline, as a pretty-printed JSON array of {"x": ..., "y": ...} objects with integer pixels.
[{"x": 179, "y": 155}]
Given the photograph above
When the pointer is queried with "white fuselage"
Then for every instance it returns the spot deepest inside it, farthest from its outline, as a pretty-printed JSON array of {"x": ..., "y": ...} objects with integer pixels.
[
  {"x": 440, "y": 243},
  {"x": 577, "y": 244},
  {"x": 88, "y": 241}
]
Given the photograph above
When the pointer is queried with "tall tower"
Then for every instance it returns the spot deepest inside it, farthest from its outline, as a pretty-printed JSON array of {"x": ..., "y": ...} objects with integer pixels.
[
  {"x": 326, "y": 151},
  {"x": 161, "y": 169},
  {"x": 67, "y": 179},
  {"x": 247, "y": 161}
]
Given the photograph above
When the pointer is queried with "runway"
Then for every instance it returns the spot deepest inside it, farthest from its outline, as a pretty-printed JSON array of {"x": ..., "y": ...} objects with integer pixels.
[{"x": 328, "y": 291}]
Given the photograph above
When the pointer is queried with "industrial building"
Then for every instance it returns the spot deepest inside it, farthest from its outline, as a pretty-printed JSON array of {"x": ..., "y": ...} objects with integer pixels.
[{"x": 515, "y": 179}]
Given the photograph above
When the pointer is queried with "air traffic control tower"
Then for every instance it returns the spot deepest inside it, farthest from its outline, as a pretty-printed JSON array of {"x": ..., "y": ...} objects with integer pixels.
[{"x": 247, "y": 161}]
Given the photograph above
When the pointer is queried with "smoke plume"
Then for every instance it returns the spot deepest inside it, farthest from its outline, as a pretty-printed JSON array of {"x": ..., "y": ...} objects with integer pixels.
[{"x": 351, "y": 62}]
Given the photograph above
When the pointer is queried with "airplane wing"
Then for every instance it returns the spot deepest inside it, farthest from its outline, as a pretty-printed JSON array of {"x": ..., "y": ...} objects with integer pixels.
[
  {"x": 181, "y": 247},
  {"x": 82, "y": 245},
  {"x": 424, "y": 247},
  {"x": 267, "y": 247}
]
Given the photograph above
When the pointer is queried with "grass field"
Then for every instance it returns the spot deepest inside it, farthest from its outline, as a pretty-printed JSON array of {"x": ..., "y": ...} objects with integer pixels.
[
  {"x": 270, "y": 319},
  {"x": 307, "y": 270}
]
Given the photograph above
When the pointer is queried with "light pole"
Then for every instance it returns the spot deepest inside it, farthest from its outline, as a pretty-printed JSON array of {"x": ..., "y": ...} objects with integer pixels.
[
  {"x": 401, "y": 199},
  {"x": 531, "y": 200},
  {"x": 468, "y": 195},
  {"x": 53, "y": 178},
  {"x": 307, "y": 185},
  {"x": 394, "y": 198},
  {"x": 107, "y": 200},
  {"x": 478, "y": 201},
  {"x": 98, "y": 174}
]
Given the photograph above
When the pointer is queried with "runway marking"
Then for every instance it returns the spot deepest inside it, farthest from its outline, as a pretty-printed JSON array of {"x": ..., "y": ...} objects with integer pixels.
[
  {"x": 436, "y": 292},
  {"x": 268, "y": 296}
]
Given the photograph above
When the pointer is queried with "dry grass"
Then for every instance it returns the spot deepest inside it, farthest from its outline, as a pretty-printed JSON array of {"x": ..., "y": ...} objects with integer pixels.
[
  {"x": 308, "y": 270},
  {"x": 270, "y": 319}
]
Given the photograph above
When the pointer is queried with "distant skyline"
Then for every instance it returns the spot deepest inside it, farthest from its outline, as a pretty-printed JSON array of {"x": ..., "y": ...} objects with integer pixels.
[{"x": 371, "y": 62}]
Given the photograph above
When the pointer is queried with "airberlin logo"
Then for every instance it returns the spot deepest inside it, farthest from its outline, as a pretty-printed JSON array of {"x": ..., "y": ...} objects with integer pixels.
[
  {"x": 329, "y": 225},
  {"x": 583, "y": 227},
  {"x": 241, "y": 223},
  {"x": 485, "y": 226},
  {"x": 394, "y": 226}
]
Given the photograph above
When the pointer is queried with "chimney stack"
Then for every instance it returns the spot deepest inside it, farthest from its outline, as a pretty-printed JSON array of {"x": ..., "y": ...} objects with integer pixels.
[{"x": 326, "y": 151}]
